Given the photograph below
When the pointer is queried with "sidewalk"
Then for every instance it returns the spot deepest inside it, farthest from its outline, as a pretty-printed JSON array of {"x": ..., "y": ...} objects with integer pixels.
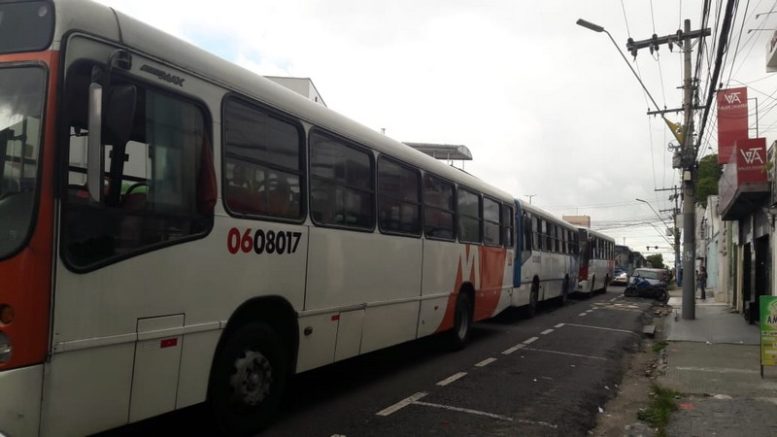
[{"x": 714, "y": 361}]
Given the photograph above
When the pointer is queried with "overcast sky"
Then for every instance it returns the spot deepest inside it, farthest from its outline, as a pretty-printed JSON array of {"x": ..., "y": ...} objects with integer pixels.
[{"x": 548, "y": 108}]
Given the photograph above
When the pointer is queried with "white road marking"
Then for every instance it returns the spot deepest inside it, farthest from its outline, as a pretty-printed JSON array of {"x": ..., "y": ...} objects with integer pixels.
[
  {"x": 401, "y": 404},
  {"x": 465, "y": 410},
  {"x": 560, "y": 325},
  {"x": 530, "y": 340},
  {"x": 590, "y": 311},
  {"x": 485, "y": 362},
  {"x": 716, "y": 370},
  {"x": 583, "y": 314},
  {"x": 451, "y": 378},
  {"x": 569, "y": 354},
  {"x": 546, "y": 332},
  {"x": 625, "y": 331},
  {"x": 532, "y": 422},
  {"x": 513, "y": 349}
]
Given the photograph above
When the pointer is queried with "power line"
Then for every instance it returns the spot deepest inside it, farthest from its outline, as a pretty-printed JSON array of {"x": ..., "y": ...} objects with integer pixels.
[{"x": 736, "y": 49}]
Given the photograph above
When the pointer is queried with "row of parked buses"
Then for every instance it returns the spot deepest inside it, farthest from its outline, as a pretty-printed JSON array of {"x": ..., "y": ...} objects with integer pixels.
[{"x": 175, "y": 229}]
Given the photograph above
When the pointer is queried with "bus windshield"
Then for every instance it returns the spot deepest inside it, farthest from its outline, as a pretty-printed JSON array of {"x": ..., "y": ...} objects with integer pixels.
[{"x": 21, "y": 112}]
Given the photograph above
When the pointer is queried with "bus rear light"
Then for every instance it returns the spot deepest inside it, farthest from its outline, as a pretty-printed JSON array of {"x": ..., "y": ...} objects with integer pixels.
[
  {"x": 5, "y": 348},
  {"x": 6, "y": 314}
]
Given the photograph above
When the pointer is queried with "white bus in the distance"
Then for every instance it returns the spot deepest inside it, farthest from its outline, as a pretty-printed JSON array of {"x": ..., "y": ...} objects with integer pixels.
[
  {"x": 597, "y": 261},
  {"x": 546, "y": 257}
]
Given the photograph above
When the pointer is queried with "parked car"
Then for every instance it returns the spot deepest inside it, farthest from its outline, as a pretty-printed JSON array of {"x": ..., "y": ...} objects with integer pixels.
[
  {"x": 645, "y": 282},
  {"x": 620, "y": 277}
]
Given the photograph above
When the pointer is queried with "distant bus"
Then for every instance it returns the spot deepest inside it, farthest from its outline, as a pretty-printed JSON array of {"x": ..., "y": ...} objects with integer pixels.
[
  {"x": 175, "y": 229},
  {"x": 546, "y": 257},
  {"x": 597, "y": 261}
]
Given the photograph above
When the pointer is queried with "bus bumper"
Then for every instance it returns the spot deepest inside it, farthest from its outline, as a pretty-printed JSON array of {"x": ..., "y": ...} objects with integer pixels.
[{"x": 20, "y": 401}]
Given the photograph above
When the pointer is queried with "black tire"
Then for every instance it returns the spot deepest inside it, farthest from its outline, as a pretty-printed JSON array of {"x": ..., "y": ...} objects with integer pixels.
[
  {"x": 243, "y": 406},
  {"x": 462, "y": 323},
  {"x": 534, "y": 299},
  {"x": 663, "y": 296},
  {"x": 606, "y": 283}
]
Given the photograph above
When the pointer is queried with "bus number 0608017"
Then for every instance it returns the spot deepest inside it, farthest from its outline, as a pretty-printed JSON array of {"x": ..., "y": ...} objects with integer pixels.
[{"x": 261, "y": 241}]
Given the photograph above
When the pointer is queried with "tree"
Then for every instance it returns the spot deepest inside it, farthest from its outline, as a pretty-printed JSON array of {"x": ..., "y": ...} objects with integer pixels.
[
  {"x": 656, "y": 261},
  {"x": 709, "y": 174}
]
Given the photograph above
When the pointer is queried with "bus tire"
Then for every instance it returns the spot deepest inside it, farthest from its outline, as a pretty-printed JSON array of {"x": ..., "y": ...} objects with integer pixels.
[
  {"x": 592, "y": 290},
  {"x": 248, "y": 379},
  {"x": 534, "y": 299},
  {"x": 462, "y": 322},
  {"x": 606, "y": 282}
]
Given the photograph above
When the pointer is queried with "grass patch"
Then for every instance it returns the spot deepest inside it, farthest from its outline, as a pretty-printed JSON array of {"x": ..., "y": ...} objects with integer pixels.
[
  {"x": 659, "y": 346},
  {"x": 661, "y": 406}
]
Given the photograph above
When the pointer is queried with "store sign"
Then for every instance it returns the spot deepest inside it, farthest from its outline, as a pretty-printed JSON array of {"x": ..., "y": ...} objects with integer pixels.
[
  {"x": 751, "y": 161},
  {"x": 732, "y": 121},
  {"x": 768, "y": 307}
]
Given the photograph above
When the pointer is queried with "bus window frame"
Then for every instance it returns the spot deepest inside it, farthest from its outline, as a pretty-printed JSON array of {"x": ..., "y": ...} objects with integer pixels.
[
  {"x": 63, "y": 158},
  {"x": 304, "y": 173},
  {"x": 314, "y": 129},
  {"x": 479, "y": 196},
  {"x": 498, "y": 223},
  {"x": 454, "y": 212},
  {"x": 419, "y": 192}
]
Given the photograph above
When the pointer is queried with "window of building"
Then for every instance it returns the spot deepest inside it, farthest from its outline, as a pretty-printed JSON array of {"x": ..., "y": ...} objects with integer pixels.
[
  {"x": 263, "y": 166},
  {"x": 469, "y": 215},
  {"x": 399, "y": 198},
  {"x": 439, "y": 208},
  {"x": 341, "y": 183}
]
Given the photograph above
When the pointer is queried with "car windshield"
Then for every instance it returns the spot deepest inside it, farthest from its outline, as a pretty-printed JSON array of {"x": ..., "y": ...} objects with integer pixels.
[
  {"x": 21, "y": 112},
  {"x": 647, "y": 274}
]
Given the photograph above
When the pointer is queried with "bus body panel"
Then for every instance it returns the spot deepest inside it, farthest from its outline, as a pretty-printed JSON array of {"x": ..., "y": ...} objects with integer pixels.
[{"x": 21, "y": 400}]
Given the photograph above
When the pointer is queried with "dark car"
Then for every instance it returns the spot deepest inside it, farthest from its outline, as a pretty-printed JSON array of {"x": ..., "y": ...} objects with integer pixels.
[{"x": 645, "y": 282}]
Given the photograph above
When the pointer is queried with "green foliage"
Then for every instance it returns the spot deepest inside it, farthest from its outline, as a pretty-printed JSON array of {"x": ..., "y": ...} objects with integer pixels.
[
  {"x": 656, "y": 261},
  {"x": 709, "y": 174},
  {"x": 662, "y": 404}
]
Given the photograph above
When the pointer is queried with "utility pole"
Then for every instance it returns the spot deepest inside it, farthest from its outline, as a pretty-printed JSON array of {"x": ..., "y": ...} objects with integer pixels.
[
  {"x": 675, "y": 230},
  {"x": 687, "y": 161},
  {"x": 689, "y": 195}
]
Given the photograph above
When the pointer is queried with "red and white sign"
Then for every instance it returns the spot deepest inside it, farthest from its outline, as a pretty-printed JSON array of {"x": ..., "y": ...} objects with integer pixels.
[
  {"x": 751, "y": 161},
  {"x": 732, "y": 121}
]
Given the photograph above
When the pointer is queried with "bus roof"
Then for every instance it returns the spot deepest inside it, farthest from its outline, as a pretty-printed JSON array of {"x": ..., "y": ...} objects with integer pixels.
[
  {"x": 105, "y": 22},
  {"x": 544, "y": 214}
]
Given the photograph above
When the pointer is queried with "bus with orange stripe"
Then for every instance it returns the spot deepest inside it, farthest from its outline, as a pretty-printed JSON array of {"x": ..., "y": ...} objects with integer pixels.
[{"x": 175, "y": 230}]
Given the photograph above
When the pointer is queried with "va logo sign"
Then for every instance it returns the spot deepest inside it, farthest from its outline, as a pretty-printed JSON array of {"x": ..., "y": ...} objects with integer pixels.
[
  {"x": 752, "y": 155},
  {"x": 771, "y": 318},
  {"x": 732, "y": 98}
]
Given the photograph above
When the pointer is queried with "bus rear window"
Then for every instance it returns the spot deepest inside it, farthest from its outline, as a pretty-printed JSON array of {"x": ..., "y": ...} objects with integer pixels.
[{"x": 26, "y": 26}]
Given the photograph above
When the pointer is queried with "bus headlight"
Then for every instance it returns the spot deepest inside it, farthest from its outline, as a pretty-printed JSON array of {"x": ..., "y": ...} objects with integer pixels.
[{"x": 5, "y": 348}]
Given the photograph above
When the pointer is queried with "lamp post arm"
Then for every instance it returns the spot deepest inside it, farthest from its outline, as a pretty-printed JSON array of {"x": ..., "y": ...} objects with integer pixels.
[{"x": 632, "y": 70}]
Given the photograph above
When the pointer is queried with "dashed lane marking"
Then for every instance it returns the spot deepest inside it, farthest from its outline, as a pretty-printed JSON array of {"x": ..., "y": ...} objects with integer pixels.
[
  {"x": 401, "y": 404},
  {"x": 485, "y": 362},
  {"x": 451, "y": 379},
  {"x": 569, "y": 354},
  {"x": 530, "y": 340},
  {"x": 532, "y": 422},
  {"x": 513, "y": 349},
  {"x": 625, "y": 331},
  {"x": 546, "y": 332},
  {"x": 465, "y": 410},
  {"x": 559, "y": 325},
  {"x": 583, "y": 314}
]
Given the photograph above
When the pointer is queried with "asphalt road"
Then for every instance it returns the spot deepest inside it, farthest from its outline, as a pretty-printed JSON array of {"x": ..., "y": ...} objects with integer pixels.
[{"x": 545, "y": 376}]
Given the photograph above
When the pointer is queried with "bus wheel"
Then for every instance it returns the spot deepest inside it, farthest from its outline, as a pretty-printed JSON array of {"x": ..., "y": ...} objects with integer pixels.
[
  {"x": 593, "y": 287},
  {"x": 534, "y": 298},
  {"x": 462, "y": 323},
  {"x": 248, "y": 379},
  {"x": 606, "y": 282}
]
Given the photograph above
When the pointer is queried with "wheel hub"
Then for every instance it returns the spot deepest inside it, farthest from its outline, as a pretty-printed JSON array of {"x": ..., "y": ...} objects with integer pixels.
[{"x": 252, "y": 378}]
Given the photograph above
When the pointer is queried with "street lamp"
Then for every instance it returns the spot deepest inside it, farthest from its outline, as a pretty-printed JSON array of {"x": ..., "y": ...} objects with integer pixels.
[
  {"x": 654, "y": 210},
  {"x": 597, "y": 28}
]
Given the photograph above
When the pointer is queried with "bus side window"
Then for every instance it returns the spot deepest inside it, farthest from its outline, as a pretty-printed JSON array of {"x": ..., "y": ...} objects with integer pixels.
[
  {"x": 399, "y": 198},
  {"x": 439, "y": 209},
  {"x": 341, "y": 183},
  {"x": 159, "y": 187},
  {"x": 470, "y": 216},
  {"x": 263, "y": 165}
]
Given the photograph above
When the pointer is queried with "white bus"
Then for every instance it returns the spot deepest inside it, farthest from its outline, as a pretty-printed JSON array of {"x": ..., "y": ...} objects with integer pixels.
[
  {"x": 547, "y": 253},
  {"x": 175, "y": 229},
  {"x": 597, "y": 261}
]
